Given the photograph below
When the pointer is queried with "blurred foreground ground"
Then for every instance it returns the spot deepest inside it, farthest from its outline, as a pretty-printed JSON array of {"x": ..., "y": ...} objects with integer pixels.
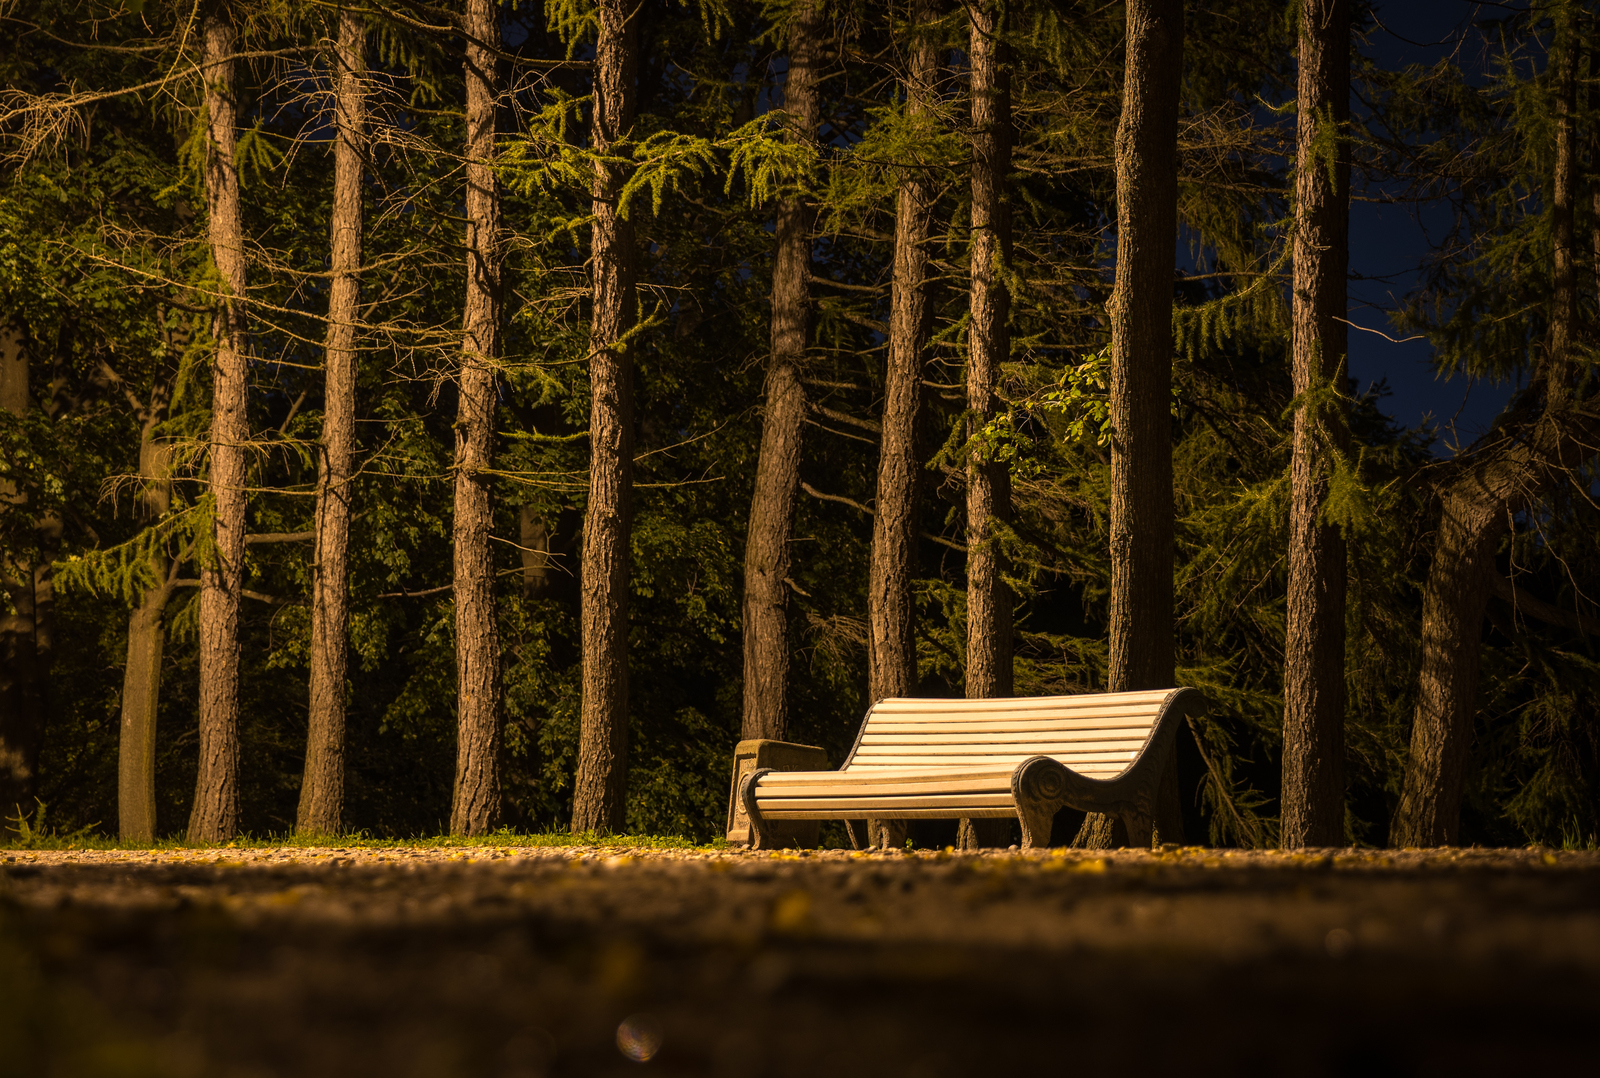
[{"x": 521, "y": 963}]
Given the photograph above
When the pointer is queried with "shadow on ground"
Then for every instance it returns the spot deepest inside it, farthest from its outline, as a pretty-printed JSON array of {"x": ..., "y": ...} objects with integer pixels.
[{"x": 514, "y": 963}]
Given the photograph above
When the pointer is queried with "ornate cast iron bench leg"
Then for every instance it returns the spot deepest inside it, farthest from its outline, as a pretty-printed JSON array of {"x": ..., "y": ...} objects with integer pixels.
[
  {"x": 1039, "y": 787},
  {"x": 760, "y": 829}
]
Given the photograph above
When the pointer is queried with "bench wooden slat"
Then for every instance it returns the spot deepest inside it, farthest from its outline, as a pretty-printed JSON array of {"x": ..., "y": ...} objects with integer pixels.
[
  {"x": 1019, "y": 703},
  {"x": 971, "y": 812},
  {"x": 1015, "y": 742},
  {"x": 982, "y": 731},
  {"x": 977, "y": 756},
  {"x": 1092, "y": 769},
  {"x": 904, "y": 774},
  {"x": 870, "y": 804},
  {"x": 883, "y": 785},
  {"x": 1142, "y": 712}
]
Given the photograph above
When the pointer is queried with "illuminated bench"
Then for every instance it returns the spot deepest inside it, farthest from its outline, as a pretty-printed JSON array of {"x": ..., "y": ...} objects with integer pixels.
[{"x": 1025, "y": 757}]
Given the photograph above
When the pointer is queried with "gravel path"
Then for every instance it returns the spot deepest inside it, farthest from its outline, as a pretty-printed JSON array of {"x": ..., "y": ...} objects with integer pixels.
[{"x": 574, "y": 961}]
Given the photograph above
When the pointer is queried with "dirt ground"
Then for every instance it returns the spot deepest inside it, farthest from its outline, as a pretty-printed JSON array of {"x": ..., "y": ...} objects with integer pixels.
[{"x": 576, "y": 961}]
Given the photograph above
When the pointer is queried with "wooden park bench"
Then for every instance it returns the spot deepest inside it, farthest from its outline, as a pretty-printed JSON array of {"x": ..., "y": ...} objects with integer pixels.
[{"x": 1025, "y": 757}]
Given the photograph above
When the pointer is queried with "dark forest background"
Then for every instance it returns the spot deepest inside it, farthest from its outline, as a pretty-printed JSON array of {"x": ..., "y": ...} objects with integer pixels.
[{"x": 105, "y": 270}]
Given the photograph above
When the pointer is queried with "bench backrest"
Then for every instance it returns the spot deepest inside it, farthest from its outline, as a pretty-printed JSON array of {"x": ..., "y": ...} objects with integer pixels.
[{"x": 1097, "y": 736}]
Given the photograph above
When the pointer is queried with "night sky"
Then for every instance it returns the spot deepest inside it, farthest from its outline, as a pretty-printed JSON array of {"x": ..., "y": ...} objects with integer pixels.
[{"x": 1387, "y": 243}]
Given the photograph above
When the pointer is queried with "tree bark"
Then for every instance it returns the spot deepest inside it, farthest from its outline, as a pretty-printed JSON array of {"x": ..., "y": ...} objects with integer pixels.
[
  {"x": 988, "y": 346},
  {"x": 599, "y": 798},
  {"x": 21, "y": 672},
  {"x": 475, "y": 805},
  {"x": 1524, "y": 462},
  {"x": 988, "y": 671},
  {"x": 1313, "y": 674},
  {"x": 535, "y": 553},
  {"x": 1141, "y": 653},
  {"x": 141, "y": 677},
  {"x": 891, "y": 644},
  {"x": 215, "y": 815},
  {"x": 141, "y": 697},
  {"x": 321, "y": 810},
  {"x": 766, "y": 562},
  {"x": 1563, "y": 202}
]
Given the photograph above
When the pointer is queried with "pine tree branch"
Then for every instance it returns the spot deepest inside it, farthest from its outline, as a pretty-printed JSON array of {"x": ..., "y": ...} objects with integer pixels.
[
  {"x": 279, "y": 537},
  {"x": 852, "y": 503},
  {"x": 1524, "y": 603}
]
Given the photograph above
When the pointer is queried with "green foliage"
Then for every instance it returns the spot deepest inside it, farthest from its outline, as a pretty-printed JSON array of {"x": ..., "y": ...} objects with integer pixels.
[
  {"x": 106, "y": 274},
  {"x": 34, "y": 831}
]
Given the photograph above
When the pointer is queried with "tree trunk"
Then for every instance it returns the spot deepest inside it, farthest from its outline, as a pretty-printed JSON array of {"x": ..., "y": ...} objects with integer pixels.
[
  {"x": 600, "y": 791},
  {"x": 1506, "y": 476},
  {"x": 766, "y": 560},
  {"x": 1470, "y": 526},
  {"x": 891, "y": 644},
  {"x": 21, "y": 673},
  {"x": 215, "y": 815},
  {"x": 1141, "y": 367},
  {"x": 141, "y": 677},
  {"x": 141, "y": 697},
  {"x": 321, "y": 809},
  {"x": 476, "y": 801},
  {"x": 1563, "y": 202},
  {"x": 988, "y": 670},
  {"x": 1313, "y": 674},
  {"x": 988, "y": 346},
  {"x": 535, "y": 553}
]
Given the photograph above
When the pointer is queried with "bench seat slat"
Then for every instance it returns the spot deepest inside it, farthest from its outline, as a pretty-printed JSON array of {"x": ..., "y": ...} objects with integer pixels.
[
  {"x": 868, "y": 804},
  {"x": 1054, "y": 704},
  {"x": 1088, "y": 714},
  {"x": 978, "y": 731},
  {"x": 1091, "y": 770},
  {"x": 882, "y": 775},
  {"x": 899, "y": 813},
  {"x": 884, "y": 785},
  {"x": 978, "y": 757},
  {"x": 1043, "y": 746}
]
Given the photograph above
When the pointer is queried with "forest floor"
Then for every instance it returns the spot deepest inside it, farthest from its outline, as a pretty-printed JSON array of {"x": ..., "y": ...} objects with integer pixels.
[{"x": 521, "y": 962}]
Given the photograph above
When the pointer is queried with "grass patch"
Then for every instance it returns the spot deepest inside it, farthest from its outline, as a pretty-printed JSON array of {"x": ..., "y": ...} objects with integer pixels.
[{"x": 31, "y": 831}]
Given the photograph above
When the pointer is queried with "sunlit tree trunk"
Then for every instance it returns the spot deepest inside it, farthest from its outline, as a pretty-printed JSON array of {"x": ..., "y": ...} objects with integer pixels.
[
  {"x": 1141, "y": 654},
  {"x": 322, "y": 789},
  {"x": 891, "y": 647},
  {"x": 147, "y": 634},
  {"x": 600, "y": 790},
  {"x": 766, "y": 563},
  {"x": 215, "y": 815},
  {"x": 1313, "y": 674},
  {"x": 989, "y": 598},
  {"x": 479, "y": 731},
  {"x": 988, "y": 346}
]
